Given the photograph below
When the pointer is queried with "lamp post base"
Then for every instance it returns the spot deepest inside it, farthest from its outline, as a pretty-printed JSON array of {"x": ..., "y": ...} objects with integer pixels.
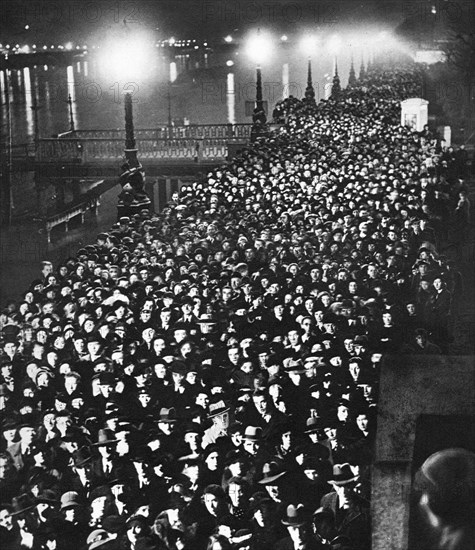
[
  {"x": 131, "y": 157},
  {"x": 133, "y": 199}
]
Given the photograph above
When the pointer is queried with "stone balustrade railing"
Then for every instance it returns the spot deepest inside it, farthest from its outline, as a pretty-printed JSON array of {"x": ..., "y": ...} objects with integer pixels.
[
  {"x": 102, "y": 149},
  {"x": 192, "y": 131},
  {"x": 199, "y": 143}
]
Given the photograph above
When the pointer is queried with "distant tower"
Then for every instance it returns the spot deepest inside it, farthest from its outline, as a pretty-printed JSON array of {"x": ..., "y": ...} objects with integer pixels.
[
  {"x": 336, "y": 86},
  {"x": 352, "y": 75},
  {"x": 370, "y": 63},
  {"x": 309, "y": 91},
  {"x": 362, "y": 69}
]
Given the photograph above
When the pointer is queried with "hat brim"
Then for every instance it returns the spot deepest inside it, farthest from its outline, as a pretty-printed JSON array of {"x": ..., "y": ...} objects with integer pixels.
[
  {"x": 251, "y": 438},
  {"x": 46, "y": 500},
  {"x": 71, "y": 504},
  {"x": 27, "y": 509},
  {"x": 99, "y": 543},
  {"x": 107, "y": 442},
  {"x": 294, "y": 523},
  {"x": 81, "y": 463},
  {"x": 270, "y": 479},
  {"x": 314, "y": 429},
  {"x": 218, "y": 412},
  {"x": 343, "y": 481}
]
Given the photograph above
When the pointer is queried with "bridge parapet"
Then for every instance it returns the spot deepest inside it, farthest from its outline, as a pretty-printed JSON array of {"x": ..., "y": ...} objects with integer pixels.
[
  {"x": 189, "y": 144},
  {"x": 84, "y": 150},
  {"x": 192, "y": 131}
]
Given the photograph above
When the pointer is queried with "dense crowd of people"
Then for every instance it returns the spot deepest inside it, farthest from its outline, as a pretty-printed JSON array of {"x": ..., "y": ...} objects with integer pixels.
[{"x": 207, "y": 377}]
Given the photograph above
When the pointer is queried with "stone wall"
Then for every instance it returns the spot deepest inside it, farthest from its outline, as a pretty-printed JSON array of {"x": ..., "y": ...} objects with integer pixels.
[{"x": 411, "y": 386}]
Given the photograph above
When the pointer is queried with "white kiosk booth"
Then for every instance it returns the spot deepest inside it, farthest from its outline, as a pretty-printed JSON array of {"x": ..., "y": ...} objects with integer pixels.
[{"x": 414, "y": 113}]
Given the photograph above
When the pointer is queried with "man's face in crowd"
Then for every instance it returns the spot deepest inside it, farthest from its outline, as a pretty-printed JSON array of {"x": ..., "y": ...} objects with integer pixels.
[
  {"x": 438, "y": 285},
  {"x": 93, "y": 348},
  {"x": 6, "y": 370},
  {"x": 226, "y": 294},
  {"x": 6, "y": 519},
  {"x": 260, "y": 402},
  {"x": 233, "y": 355},
  {"x": 298, "y": 534},
  {"x": 342, "y": 413},
  {"x": 362, "y": 422},
  {"x": 9, "y": 436},
  {"x": 293, "y": 337},
  {"x": 10, "y": 348},
  {"x": 212, "y": 461},
  {"x": 114, "y": 272},
  {"x": 251, "y": 446},
  {"x": 27, "y": 435},
  {"x": 79, "y": 345},
  {"x": 165, "y": 316},
  {"x": 279, "y": 310},
  {"x": 180, "y": 335},
  {"x": 106, "y": 389},
  {"x": 236, "y": 494},
  {"x": 212, "y": 503},
  {"x": 145, "y": 315},
  {"x": 144, "y": 399}
]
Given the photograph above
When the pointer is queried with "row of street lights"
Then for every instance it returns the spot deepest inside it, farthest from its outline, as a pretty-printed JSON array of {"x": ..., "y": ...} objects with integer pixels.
[{"x": 131, "y": 55}]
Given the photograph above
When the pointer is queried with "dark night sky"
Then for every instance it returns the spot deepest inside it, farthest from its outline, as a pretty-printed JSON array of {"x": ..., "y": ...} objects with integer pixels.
[{"x": 86, "y": 20}]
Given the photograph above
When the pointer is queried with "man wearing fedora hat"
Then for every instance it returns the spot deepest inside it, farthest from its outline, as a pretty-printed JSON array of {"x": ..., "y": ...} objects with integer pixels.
[
  {"x": 9, "y": 531},
  {"x": 104, "y": 467},
  {"x": 350, "y": 511},
  {"x": 25, "y": 515},
  {"x": 83, "y": 479},
  {"x": 218, "y": 413},
  {"x": 297, "y": 519},
  {"x": 21, "y": 450}
]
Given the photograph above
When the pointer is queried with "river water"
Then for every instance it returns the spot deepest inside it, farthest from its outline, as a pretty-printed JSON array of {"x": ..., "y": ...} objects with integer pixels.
[{"x": 200, "y": 87}]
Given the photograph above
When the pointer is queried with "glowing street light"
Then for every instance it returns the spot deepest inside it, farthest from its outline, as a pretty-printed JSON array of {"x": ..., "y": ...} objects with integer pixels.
[
  {"x": 259, "y": 47},
  {"x": 308, "y": 45},
  {"x": 128, "y": 56}
]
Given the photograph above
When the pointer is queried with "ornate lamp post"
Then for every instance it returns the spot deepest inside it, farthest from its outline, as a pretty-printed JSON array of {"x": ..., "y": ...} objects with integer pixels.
[
  {"x": 133, "y": 198},
  {"x": 336, "y": 86},
  {"x": 130, "y": 150},
  {"x": 308, "y": 46},
  {"x": 309, "y": 90},
  {"x": 259, "y": 118},
  {"x": 258, "y": 48},
  {"x": 352, "y": 75},
  {"x": 334, "y": 47},
  {"x": 127, "y": 57},
  {"x": 71, "y": 117}
]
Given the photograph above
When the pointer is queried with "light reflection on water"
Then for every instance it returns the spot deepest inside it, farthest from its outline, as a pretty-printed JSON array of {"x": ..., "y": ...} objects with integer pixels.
[
  {"x": 285, "y": 81},
  {"x": 72, "y": 92},
  {"x": 204, "y": 91},
  {"x": 231, "y": 98},
  {"x": 28, "y": 91}
]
